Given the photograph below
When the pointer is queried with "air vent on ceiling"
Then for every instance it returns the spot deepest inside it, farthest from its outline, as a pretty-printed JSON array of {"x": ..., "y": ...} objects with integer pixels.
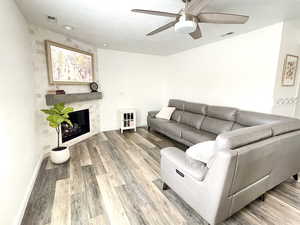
[{"x": 51, "y": 19}]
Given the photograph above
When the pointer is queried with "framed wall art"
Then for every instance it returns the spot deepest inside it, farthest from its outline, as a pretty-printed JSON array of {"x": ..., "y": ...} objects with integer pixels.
[
  {"x": 290, "y": 70},
  {"x": 67, "y": 65}
]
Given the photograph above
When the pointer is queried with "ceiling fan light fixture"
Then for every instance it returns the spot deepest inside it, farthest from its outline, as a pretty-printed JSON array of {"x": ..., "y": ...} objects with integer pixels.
[
  {"x": 187, "y": 20},
  {"x": 185, "y": 26}
]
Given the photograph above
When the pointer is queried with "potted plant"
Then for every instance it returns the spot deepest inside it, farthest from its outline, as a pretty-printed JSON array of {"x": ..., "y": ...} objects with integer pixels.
[{"x": 56, "y": 116}]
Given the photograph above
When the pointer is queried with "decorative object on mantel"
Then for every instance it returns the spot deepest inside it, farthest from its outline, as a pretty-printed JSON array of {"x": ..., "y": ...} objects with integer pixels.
[
  {"x": 56, "y": 92},
  {"x": 94, "y": 87},
  {"x": 56, "y": 116},
  {"x": 69, "y": 98},
  {"x": 67, "y": 65},
  {"x": 127, "y": 119},
  {"x": 290, "y": 70}
]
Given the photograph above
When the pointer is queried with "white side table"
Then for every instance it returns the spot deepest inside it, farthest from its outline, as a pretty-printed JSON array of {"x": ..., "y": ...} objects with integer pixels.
[{"x": 127, "y": 119}]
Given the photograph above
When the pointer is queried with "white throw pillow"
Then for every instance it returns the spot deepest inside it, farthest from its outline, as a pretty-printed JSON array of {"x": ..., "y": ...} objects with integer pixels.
[
  {"x": 165, "y": 113},
  {"x": 202, "y": 152}
]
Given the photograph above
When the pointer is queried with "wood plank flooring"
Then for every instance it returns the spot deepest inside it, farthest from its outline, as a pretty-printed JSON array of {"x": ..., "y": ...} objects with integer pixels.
[{"x": 113, "y": 179}]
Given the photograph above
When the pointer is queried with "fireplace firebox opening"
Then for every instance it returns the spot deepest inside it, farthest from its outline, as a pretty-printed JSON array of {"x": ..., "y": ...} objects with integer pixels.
[{"x": 81, "y": 125}]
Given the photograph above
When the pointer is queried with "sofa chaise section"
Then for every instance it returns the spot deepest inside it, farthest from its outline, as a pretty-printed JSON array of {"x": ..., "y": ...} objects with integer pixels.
[
  {"x": 246, "y": 165},
  {"x": 253, "y": 153}
]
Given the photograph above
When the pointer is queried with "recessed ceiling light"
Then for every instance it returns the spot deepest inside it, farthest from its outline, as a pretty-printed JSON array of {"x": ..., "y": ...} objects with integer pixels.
[
  {"x": 51, "y": 19},
  {"x": 227, "y": 34},
  {"x": 67, "y": 27},
  {"x": 105, "y": 45}
]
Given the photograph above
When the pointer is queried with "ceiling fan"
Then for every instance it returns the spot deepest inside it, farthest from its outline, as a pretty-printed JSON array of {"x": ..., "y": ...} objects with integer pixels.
[{"x": 187, "y": 19}]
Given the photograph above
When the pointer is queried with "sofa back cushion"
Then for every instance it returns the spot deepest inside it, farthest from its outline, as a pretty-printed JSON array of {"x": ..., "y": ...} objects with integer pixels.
[
  {"x": 176, "y": 116},
  {"x": 195, "y": 108},
  {"x": 284, "y": 127},
  {"x": 223, "y": 113},
  {"x": 192, "y": 119},
  {"x": 178, "y": 104},
  {"x": 216, "y": 126},
  {"x": 219, "y": 119},
  {"x": 247, "y": 118},
  {"x": 238, "y": 138}
]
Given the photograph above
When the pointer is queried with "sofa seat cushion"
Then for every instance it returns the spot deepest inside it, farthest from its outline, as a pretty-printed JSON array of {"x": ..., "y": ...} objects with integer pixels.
[
  {"x": 166, "y": 126},
  {"x": 192, "y": 119},
  {"x": 195, "y": 136},
  {"x": 216, "y": 126}
]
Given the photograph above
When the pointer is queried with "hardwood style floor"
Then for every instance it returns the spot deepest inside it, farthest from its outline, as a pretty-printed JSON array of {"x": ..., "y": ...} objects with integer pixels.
[{"x": 113, "y": 179}]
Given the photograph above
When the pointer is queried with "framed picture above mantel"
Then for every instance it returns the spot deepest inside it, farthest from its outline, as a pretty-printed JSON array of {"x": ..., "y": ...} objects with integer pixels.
[
  {"x": 67, "y": 65},
  {"x": 290, "y": 70}
]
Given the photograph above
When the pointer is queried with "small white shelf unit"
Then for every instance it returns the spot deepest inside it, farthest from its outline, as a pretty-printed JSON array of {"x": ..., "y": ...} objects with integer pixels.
[{"x": 127, "y": 119}]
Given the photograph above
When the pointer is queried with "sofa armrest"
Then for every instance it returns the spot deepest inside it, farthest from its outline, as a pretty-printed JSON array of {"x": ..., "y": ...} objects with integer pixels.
[
  {"x": 184, "y": 166},
  {"x": 152, "y": 114}
]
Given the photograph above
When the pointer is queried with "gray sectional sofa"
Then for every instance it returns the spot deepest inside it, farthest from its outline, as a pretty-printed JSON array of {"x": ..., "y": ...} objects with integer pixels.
[{"x": 254, "y": 152}]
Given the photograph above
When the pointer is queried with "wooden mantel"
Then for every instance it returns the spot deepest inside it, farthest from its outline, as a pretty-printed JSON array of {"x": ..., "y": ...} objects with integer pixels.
[{"x": 52, "y": 99}]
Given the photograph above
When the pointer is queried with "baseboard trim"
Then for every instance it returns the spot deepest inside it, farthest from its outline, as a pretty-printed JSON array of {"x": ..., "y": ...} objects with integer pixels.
[{"x": 24, "y": 203}]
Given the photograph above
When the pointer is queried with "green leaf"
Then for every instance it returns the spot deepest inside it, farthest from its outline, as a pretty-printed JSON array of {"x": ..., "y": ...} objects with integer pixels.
[
  {"x": 58, "y": 114},
  {"x": 69, "y": 122},
  {"x": 67, "y": 110},
  {"x": 55, "y": 119},
  {"x": 54, "y": 125},
  {"x": 55, "y": 111},
  {"x": 66, "y": 116},
  {"x": 60, "y": 107},
  {"x": 48, "y": 111}
]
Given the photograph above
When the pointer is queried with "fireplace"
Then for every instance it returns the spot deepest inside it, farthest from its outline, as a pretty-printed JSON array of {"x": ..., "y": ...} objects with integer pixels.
[{"x": 81, "y": 125}]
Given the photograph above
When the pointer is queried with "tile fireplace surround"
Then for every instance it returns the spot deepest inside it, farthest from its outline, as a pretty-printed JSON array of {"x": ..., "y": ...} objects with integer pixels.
[{"x": 46, "y": 135}]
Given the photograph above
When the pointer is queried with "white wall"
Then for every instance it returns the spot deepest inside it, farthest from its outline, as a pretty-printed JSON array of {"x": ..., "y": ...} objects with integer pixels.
[
  {"x": 238, "y": 72},
  {"x": 290, "y": 45},
  {"x": 19, "y": 155},
  {"x": 129, "y": 80}
]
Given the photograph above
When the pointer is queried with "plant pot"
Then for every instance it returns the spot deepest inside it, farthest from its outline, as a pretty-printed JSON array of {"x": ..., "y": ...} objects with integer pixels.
[{"x": 60, "y": 155}]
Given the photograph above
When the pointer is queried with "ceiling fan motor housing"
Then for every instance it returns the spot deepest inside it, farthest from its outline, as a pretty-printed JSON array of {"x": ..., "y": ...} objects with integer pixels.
[{"x": 185, "y": 25}]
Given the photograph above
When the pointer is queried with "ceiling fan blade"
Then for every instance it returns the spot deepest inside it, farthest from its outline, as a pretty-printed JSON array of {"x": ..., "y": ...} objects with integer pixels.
[
  {"x": 156, "y": 13},
  {"x": 222, "y": 18},
  {"x": 195, "y": 6},
  {"x": 197, "y": 33},
  {"x": 162, "y": 28}
]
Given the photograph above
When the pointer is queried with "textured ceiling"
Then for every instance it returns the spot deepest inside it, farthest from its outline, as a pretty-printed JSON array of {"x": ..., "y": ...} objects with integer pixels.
[{"x": 98, "y": 21}]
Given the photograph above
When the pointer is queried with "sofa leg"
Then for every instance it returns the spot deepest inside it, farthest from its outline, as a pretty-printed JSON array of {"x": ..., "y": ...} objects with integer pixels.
[
  {"x": 295, "y": 177},
  {"x": 148, "y": 128},
  {"x": 262, "y": 197},
  {"x": 165, "y": 187}
]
